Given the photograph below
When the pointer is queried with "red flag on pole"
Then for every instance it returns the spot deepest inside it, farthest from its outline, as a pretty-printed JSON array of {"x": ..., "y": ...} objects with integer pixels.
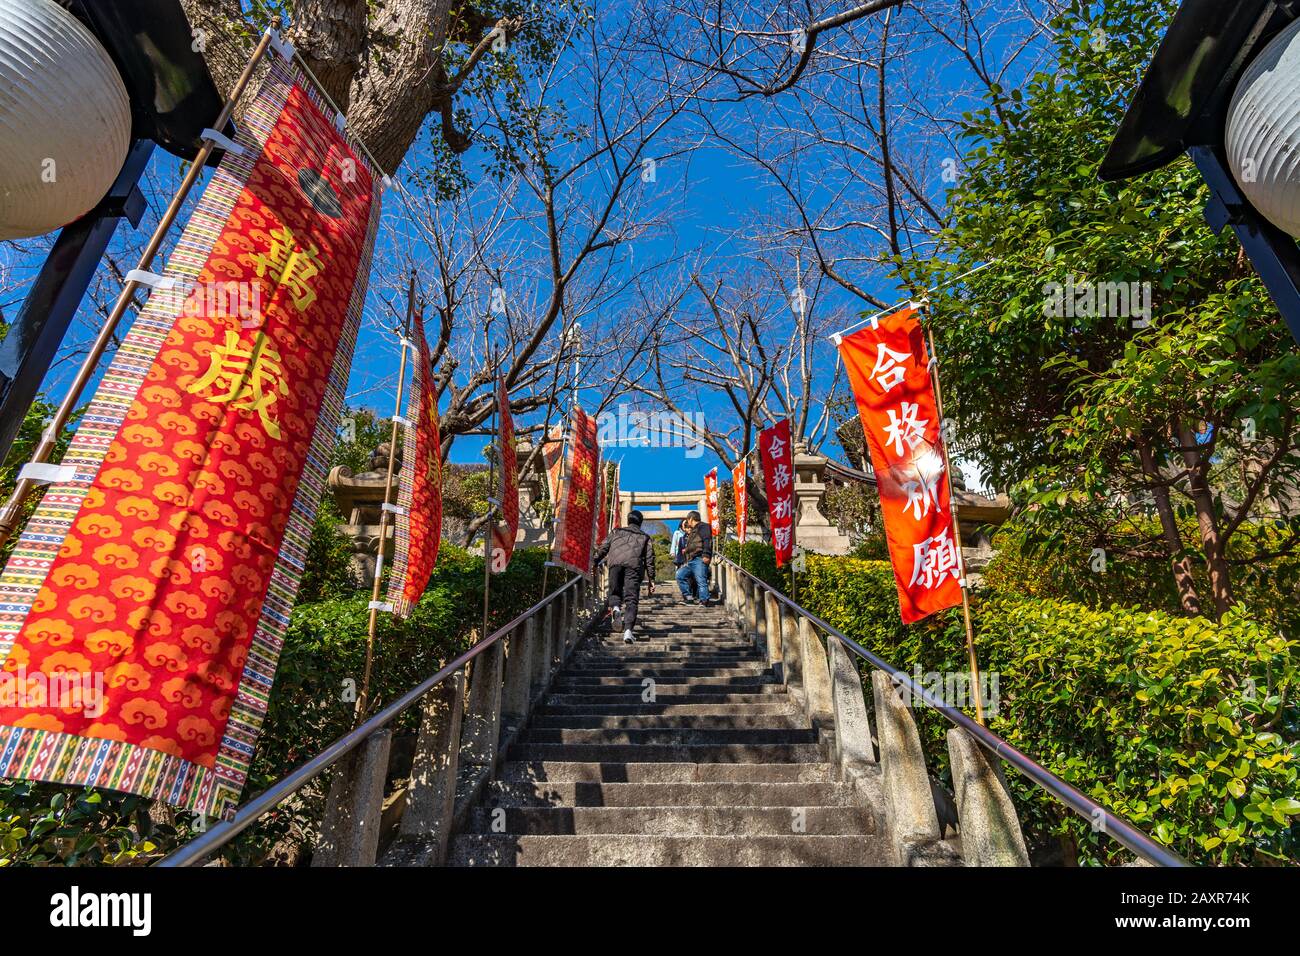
[
  {"x": 711, "y": 501},
  {"x": 740, "y": 488},
  {"x": 602, "y": 520},
  {"x": 418, "y": 529},
  {"x": 888, "y": 368},
  {"x": 553, "y": 458},
  {"x": 614, "y": 513},
  {"x": 167, "y": 559},
  {"x": 503, "y": 536},
  {"x": 778, "y": 479},
  {"x": 573, "y": 534}
]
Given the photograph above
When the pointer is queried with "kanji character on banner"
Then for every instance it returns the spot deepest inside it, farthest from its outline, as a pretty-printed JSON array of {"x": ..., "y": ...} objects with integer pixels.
[
  {"x": 888, "y": 368},
  {"x": 777, "y": 460}
]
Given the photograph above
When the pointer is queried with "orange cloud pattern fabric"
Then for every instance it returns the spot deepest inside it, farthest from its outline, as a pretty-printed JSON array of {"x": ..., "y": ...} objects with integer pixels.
[
  {"x": 418, "y": 528},
  {"x": 180, "y": 560}
]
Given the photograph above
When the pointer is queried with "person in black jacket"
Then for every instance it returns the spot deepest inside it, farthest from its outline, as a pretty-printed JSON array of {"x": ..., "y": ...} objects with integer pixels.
[
  {"x": 697, "y": 553},
  {"x": 629, "y": 552}
]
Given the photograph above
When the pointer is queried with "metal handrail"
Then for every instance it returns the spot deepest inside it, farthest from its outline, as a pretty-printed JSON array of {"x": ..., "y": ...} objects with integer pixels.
[
  {"x": 225, "y": 831},
  {"x": 1110, "y": 824}
]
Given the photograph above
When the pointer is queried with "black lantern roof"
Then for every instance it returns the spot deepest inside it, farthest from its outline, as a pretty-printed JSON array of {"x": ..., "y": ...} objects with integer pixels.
[
  {"x": 1183, "y": 99},
  {"x": 173, "y": 98}
]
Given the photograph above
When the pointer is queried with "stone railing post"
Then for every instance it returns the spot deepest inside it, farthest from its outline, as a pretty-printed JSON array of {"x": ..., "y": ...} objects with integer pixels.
[
  {"x": 818, "y": 702},
  {"x": 349, "y": 832},
  {"x": 772, "y": 631},
  {"x": 482, "y": 729},
  {"x": 911, "y": 820},
  {"x": 425, "y": 831},
  {"x": 541, "y": 656},
  {"x": 990, "y": 827},
  {"x": 855, "y": 755},
  {"x": 791, "y": 653},
  {"x": 758, "y": 614},
  {"x": 518, "y": 674}
]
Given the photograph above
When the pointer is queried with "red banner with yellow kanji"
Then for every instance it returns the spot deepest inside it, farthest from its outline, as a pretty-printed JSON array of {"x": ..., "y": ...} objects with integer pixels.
[
  {"x": 573, "y": 535},
  {"x": 888, "y": 367},
  {"x": 740, "y": 489},
  {"x": 163, "y": 572},
  {"x": 503, "y": 535},
  {"x": 602, "y": 507},
  {"x": 418, "y": 529}
]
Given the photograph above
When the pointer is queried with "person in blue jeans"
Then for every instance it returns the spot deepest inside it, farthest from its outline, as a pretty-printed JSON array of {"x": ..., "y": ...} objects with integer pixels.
[{"x": 697, "y": 553}]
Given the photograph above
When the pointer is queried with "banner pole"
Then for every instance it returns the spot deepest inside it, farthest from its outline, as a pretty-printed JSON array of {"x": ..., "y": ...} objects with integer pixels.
[
  {"x": 489, "y": 523},
  {"x": 956, "y": 531},
  {"x": 363, "y": 699},
  {"x": 12, "y": 510}
]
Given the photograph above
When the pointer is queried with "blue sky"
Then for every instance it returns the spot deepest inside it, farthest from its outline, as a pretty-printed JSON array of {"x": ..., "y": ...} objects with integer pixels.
[{"x": 717, "y": 195}]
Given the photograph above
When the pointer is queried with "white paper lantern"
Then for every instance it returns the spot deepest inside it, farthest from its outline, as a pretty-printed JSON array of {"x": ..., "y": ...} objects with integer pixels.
[
  {"x": 1263, "y": 131},
  {"x": 65, "y": 118}
]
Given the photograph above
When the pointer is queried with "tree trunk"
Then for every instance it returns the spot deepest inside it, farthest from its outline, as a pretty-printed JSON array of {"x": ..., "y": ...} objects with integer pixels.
[
  {"x": 381, "y": 64},
  {"x": 1180, "y": 563},
  {"x": 1203, "y": 500}
]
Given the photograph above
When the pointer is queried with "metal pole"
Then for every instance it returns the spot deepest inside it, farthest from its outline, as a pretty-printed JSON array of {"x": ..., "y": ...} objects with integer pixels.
[
  {"x": 956, "y": 534},
  {"x": 363, "y": 699},
  {"x": 12, "y": 510}
]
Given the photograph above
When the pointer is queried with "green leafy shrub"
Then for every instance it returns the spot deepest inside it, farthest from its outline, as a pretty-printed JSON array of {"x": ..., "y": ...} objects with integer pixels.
[
  {"x": 1182, "y": 725},
  {"x": 1268, "y": 590}
]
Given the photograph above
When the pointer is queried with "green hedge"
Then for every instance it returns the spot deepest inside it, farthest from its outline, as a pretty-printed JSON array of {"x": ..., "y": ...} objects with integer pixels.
[
  {"x": 1184, "y": 726},
  {"x": 324, "y": 650},
  {"x": 1269, "y": 591}
]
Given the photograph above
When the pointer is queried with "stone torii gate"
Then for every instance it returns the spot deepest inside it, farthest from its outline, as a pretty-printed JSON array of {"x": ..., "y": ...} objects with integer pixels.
[{"x": 812, "y": 529}]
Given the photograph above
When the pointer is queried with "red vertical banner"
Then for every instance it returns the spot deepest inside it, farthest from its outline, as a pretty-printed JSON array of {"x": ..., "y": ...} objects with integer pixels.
[
  {"x": 740, "y": 490},
  {"x": 711, "y": 501},
  {"x": 778, "y": 480},
  {"x": 504, "y": 534},
  {"x": 418, "y": 529},
  {"x": 888, "y": 367},
  {"x": 574, "y": 531},
  {"x": 614, "y": 512},
  {"x": 553, "y": 460},
  {"x": 602, "y": 506},
  {"x": 164, "y": 568}
]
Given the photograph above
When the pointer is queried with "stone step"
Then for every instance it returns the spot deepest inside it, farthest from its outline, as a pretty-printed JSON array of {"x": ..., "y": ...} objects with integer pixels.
[
  {"x": 646, "y": 753},
  {"x": 642, "y": 850},
  {"x": 582, "y": 682},
  {"x": 696, "y": 722},
  {"x": 668, "y": 660},
  {"x": 588, "y": 671},
  {"x": 561, "y": 771},
  {"x": 521, "y": 793},
  {"x": 776, "y": 707},
  {"x": 668, "y": 737},
  {"x": 776, "y": 696},
  {"x": 713, "y": 688},
  {"x": 676, "y": 821}
]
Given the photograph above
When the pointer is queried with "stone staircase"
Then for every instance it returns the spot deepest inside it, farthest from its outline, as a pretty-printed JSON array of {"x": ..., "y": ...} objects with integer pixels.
[{"x": 682, "y": 749}]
